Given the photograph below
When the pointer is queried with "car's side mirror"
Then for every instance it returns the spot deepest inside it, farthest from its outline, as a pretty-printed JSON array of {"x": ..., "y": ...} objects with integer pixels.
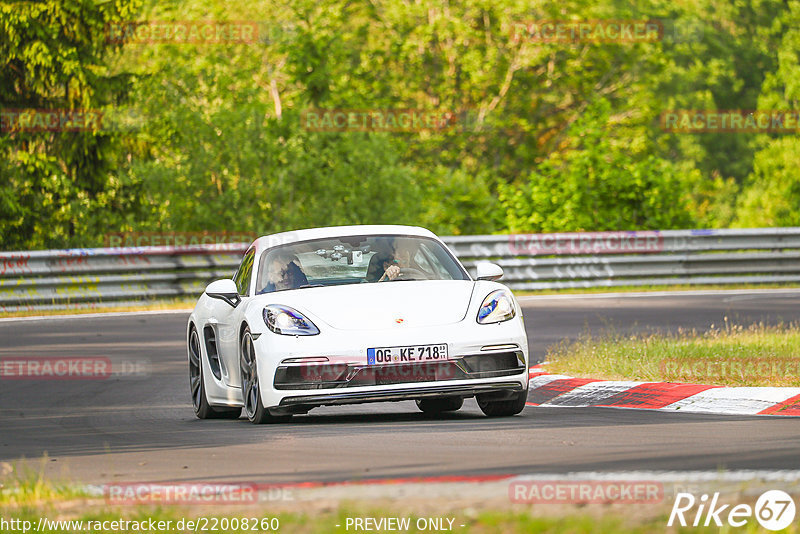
[
  {"x": 488, "y": 271},
  {"x": 224, "y": 290}
]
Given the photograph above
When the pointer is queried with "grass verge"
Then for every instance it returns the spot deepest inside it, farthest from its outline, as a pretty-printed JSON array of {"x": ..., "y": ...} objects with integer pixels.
[
  {"x": 32, "y": 503},
  {"x": 730, "y": 355},
  {"x": 176, "y": 520},
  {"x": 29, "y": 503}
]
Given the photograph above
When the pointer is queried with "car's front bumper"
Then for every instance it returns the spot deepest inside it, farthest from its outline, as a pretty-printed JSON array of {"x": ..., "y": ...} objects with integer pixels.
[
  {"x": 331, "y": 368},
  {"x": 340, "y": 375}
]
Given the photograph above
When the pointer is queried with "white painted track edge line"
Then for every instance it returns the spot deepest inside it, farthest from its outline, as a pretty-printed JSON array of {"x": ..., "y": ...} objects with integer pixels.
[{"x": 93, "y": 315}]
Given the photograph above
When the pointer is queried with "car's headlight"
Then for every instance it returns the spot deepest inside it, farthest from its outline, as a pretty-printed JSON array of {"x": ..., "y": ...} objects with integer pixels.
[
  {"x": 288, "y": 321},
  {"x": 498, "y": 306}
]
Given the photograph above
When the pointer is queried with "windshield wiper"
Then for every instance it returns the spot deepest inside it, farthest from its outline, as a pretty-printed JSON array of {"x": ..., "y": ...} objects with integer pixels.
[{"x": 309, "y": 285}]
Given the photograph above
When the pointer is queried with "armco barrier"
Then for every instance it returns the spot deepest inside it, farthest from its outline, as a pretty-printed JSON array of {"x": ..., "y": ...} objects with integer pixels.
[{"x": 84, "y": 277}]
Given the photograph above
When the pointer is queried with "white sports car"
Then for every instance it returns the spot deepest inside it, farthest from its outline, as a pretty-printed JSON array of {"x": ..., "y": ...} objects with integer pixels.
[{"x": 354, "y": 314}]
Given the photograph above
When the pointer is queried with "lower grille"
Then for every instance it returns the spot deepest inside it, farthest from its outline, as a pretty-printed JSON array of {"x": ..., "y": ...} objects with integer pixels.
[
  {"x": 434, "y": 391},
  {"x": 328, "y": 376},
  {"x": 401, "y": 374}
]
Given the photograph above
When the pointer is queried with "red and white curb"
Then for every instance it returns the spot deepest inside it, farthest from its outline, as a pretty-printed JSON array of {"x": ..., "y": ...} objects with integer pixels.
[{"x": 565, "y": 391}]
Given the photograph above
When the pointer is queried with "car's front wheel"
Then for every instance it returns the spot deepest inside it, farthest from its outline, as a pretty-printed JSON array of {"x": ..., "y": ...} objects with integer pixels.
[
  {"x": 502, "y": 408},
  {"x": 251, "y": 387},
  {"x": 441, "y": 404},
  {"x": 202, "y": 409}
]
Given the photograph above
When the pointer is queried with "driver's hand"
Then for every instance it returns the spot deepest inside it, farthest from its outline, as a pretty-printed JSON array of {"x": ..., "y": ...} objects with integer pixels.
[{"x": 392, "y": 272}]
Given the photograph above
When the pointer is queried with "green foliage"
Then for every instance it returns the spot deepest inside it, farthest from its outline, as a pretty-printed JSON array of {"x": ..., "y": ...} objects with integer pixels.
[
  {"x": 470, "y": 207},
  {"x": 772, "y": 193},
  {"x": 55, "y": 185},
  {"x": 771, "y": 197},
  {"x": 596, "y": 184},
  {"x": 558, "y": 137}
]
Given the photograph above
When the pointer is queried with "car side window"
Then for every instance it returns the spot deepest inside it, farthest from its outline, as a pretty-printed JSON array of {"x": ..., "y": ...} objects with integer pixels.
[{"x": 244, "y": 273}]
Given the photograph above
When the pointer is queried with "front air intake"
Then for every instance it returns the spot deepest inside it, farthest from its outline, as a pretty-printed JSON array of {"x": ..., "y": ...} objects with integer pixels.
[{"x": 212, "y": 351}]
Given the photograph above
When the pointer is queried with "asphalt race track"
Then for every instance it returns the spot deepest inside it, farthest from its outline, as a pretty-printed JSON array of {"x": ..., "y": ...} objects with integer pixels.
[{"x": 141, "y": 428}]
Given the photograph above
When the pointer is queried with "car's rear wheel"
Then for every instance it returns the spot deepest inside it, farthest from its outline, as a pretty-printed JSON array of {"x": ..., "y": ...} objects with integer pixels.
[
  {"x": 440, "y": 404},
  {"x": 202, "y": 409},
  {"x": 502, "y": 408},
  {"x": 251, "y": 388}
]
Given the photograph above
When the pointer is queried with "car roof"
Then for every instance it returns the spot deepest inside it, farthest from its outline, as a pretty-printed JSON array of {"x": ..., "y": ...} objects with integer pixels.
[{"x": 294, "y": 236}]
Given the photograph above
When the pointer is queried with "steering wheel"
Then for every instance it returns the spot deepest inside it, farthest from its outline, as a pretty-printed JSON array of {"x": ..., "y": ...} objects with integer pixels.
[{"x": 409, "y": 273}]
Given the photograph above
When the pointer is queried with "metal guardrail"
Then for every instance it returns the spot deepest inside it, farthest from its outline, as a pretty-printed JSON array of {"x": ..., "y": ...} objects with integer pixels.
[{"x": 86, "y": 277}]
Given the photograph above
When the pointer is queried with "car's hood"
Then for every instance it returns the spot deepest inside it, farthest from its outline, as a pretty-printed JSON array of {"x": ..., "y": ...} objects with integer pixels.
[{"x": 381, "y": 305}]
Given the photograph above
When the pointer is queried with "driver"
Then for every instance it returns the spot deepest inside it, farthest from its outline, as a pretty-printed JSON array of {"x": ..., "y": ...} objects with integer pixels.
[
  {"x": 283, "y": 272},
  {"x": 404, "y": 251}
]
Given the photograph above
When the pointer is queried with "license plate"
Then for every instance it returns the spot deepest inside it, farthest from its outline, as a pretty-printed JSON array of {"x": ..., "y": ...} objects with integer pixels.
[{"x": 410, "y": 353}]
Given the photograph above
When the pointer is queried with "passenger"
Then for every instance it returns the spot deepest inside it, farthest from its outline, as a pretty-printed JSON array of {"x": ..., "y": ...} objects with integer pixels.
[{"x": 283, "y": 272}]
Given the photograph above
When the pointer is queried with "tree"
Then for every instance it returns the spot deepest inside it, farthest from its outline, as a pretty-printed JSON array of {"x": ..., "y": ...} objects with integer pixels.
[
  {"x": 53, "y": 57},
  {"x": 771, "y": 196},
  {"x": 596, "y": 184}
]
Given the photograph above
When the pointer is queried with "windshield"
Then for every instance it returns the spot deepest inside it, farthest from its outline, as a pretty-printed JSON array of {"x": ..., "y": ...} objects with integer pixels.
[{"x": 356, "y": 260}]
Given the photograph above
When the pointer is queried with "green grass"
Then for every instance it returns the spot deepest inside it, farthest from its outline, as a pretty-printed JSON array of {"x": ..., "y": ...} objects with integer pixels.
[
  {"x": 29, "y": 497},
  {"x": 543, "y": 519},
  {"x": 324, "y": 522},
  {"x": 727, "y": 355},
  {"x": 25, "y": 487}
]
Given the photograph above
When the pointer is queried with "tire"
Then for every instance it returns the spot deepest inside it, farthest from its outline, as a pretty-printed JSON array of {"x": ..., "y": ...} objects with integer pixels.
[
  {"x": 440, "y": 404},
  {"x": 197, "y": 386},
  {"x": 503, "y": 408},
  {"x": 251, "y": 387}
]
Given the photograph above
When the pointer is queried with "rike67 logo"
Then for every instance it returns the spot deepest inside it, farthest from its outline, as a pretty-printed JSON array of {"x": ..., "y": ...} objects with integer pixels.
[{"x": 774, "y": 510}]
